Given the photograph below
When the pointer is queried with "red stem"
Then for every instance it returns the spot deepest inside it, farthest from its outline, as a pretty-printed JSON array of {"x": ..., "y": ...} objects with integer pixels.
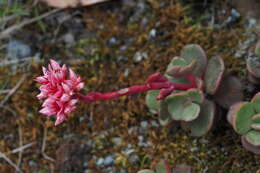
[{"x": 157, "y": 82}]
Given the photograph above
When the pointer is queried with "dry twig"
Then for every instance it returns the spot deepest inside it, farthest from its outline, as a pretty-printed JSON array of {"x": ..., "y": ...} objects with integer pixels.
[
  {"x": 43, "y": 146},
  {"x": 20, "y": 144},
  {"x": 13, "y": 90},
  {"x": 21, "y": 148},
  {"x": 18, "y": 61},
  {"x": 8, "y": 31},
  {"x": 8, "y": 18},
  {"x": 10, "y": 162}
]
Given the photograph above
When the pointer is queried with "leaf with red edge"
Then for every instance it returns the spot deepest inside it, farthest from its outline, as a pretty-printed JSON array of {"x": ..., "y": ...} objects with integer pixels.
[{"x": 71, "y": 3}]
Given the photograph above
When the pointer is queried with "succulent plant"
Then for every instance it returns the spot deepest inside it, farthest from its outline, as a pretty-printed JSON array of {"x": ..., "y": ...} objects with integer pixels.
[
  {"x": 253, "y": 65},
  {"x": 163, "y": 167},
  {"x": 196, "y": 108},
  {"x": 245, "y": 119}
]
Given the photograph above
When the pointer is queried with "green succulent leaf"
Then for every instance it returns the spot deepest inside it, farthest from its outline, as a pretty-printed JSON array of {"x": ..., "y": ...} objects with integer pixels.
[
  {"x": 179, "y": 66},
  {"x": 193, "y": 52},
  {"x": 177, "y": 61},
  {"x": 256, "y": 96},
  {"x": 253, "y": 137},
  {"x": 164, "y": 115},
  {"x": 256, "y": 118},
  {"x": 195, "y": 95},
  {"x": 214, "y": 74},
  {"x": 255, "y": 126},
  {"x": 256, "y": 103},
  {"x": 162, "y": 167},
  {"x": 177, "y": 80},
  {"x": 247, "y": 145},
  {"x": 181, "y": 107},
  {"x": 151, "y": 100},
  {"x": 232, "y": 113},
  {"x": 244, "y": 118},
  {"x": 204, "y": 122},
  {"x": 146, "y": 171}
]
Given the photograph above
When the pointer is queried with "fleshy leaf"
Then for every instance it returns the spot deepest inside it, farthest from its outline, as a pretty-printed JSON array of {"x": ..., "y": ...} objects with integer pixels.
[
  {"x": 151, "y": 100},
  {"x": 229, "y": 92},
  {"x": 250, "y": 147},
  {"x": 253, "y": 66},
  {"x": 255, "y": 126},
  {"x": 232, "y": 113},
  {"x": 179, "y": 67},
  {"x": 214, "y": 74},
  {"x": 244, "y": 118},
  {"x": 146, "y": 171},
  {"x": 256, "y": 96},
  {"x": 164, "y": 115},
  {"x": 193, "y": 52},
  {"x": 256, "y": 103},
  {"x": 204, "y": 122},
  {"x": 181, "y": 106},
  {"x": 71, "y": 3},
  {"x": 182, "y": 169},
  {"x": 256, "y": 118},
  {"x": 162, "y": 167},
  {"x": 253, "y": 137}
]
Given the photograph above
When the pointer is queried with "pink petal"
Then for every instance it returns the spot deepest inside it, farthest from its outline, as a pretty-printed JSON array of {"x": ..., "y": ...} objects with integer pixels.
[
  {"x": 54, "y": 65},
  {"x": 47, "y": 111},
  {"x": 45, "y": 71},
  {"x": 59, "y": 119},
  {"x": 73, "y": 76},
  {"x": 69, "y": 109},
  {"x": 49, "y": 101},
  {"x": 42, "y": 95},
  {"x": 41, "y": 80},
  {"x": 72, "y": 102},
  {"x": 65, "y": 98},
  {"x": 80, "y": 86},
  {"x": 66, "y": 88}
]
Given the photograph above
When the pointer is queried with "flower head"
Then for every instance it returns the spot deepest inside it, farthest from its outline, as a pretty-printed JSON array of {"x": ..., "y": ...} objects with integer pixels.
[{"x": 58, "y": 86}]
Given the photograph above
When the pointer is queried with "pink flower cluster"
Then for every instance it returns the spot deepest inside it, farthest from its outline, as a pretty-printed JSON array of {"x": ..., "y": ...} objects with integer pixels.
[{"x": 58, "y": 87}]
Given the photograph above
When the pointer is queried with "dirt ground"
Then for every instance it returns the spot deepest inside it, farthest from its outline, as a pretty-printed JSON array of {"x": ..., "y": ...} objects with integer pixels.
[{"x": 111, "y": 46}]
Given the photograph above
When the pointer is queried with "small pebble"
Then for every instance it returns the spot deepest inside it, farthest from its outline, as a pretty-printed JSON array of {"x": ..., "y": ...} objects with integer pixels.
[
  {"x": 112, "y": 41},
  {"x": 117, "y": 140},
  {"x": 152, "y": 33},
  {"x": 134, "y": 158},
  {"x": 69, "y": 39},
  {"x": 100, "y": 162},
  {"x": 18, "y": 49},
  {"x": 109, "y": 160},
  {"x": 144, "y": 124},
  {"x": 139, "y": 56},
  {"x": 154, "y": 123}
]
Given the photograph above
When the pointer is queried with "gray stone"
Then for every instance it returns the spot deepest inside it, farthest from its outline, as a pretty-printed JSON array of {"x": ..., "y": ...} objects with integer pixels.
[
  {"x": 122, "y": 171},
  {"x": 154, "y": 123},
  {"x": 139, "y": 56},
  {"x": 112, "y": 41},
  {"x": 18, "y": 49},
  {"x": 100, "y": 162},
  {"x": 117, "y": 140},
  {"x": 133, "y": 158},
  {"x": 144, "y": 124},
  {"x": 152, "y": 33},
  {"x": 109, "y": 160},
  {"x": 69, "y": 39}
]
